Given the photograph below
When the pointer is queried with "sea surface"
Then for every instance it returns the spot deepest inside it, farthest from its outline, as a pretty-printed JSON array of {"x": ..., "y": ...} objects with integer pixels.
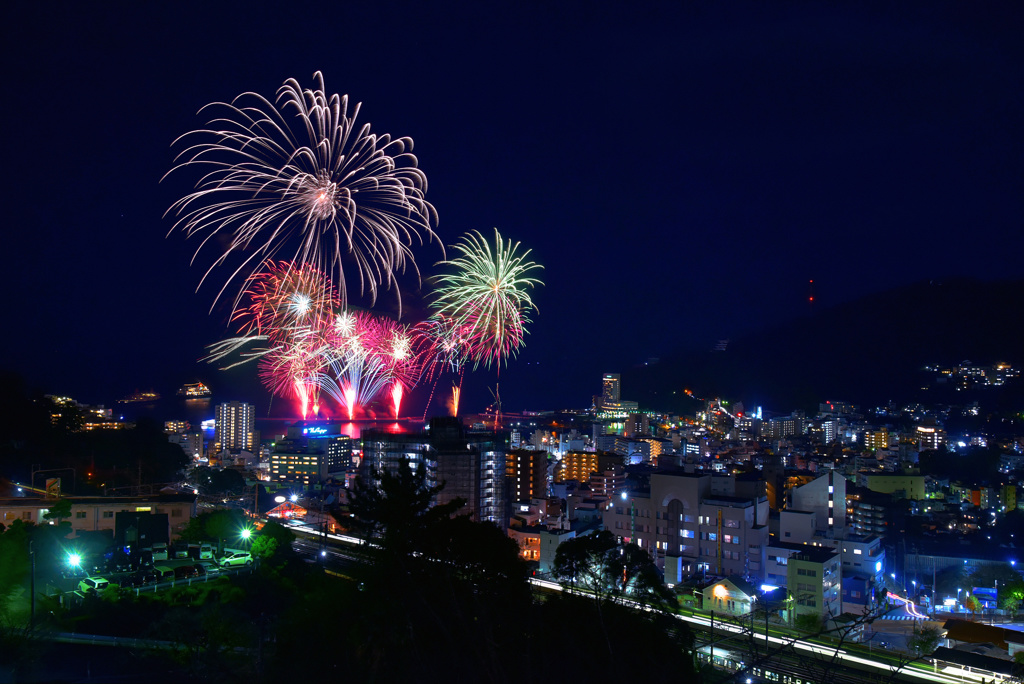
[{"x": 195, "y": 411}]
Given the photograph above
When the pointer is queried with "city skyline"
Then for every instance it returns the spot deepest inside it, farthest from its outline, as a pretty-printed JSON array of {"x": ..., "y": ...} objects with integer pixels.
[{"x": 686, "y": 171}]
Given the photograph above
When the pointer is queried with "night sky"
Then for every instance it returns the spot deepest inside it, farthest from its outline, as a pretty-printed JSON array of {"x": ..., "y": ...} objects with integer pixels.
[{"x": 680, "y": 169}]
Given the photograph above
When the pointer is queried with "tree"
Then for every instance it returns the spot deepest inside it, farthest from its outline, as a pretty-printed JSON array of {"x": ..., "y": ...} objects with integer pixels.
[
  {"x": 14, "y": 562},
  {"x": 264, "y": 548},
  {"x": 808, "y": 623},
  {"x": 972, "y": 604},
  {"x": 274, "y": 543},
  {"x": 580, "y": 563},
  {"x": 58, "y": 510},
  {"x": 597, "y": 563},
  {"x": 1012, "y": 602},
  {"x": 398, "y": 513},
  {"x": 925, "y": 641},
  {"x": 224, "y": 524}
]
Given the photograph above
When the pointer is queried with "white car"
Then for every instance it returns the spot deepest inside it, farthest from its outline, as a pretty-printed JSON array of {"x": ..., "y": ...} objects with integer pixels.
[
  {"x": 234, "y": 558},
  {"x": 93, "y": 585}
]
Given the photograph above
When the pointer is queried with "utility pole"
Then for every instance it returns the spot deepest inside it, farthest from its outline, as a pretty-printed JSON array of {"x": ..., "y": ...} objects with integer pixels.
[
  {"x": 711, "y": 646},
  {"x": 32, "y": 588}
]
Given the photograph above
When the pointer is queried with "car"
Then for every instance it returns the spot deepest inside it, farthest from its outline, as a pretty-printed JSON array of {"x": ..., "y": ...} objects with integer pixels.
[
  {"x": 235, "y": 558},
  {"x": 185, "y": 571},
  {"x": 142, "y": 578},
  {"x": 93, "y": 585},
  {"x": 207, "y": 568}
]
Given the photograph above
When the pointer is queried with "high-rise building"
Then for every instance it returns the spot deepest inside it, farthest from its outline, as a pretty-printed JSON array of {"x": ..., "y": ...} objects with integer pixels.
[
  {"x": 930, "y": 436},
  {"x": 471, "y": 465},
  {"x": 526, "y": 474},
  {"x": 339, "y": 454},
  {"x": 235, "y": 427},
  {"x": 611, "y": 388}
]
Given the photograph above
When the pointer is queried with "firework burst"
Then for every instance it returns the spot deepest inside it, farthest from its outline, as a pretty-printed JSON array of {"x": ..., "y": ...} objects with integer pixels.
[
  {"x": 300, "y": 172},
  {"x": 486, "y": 295}
]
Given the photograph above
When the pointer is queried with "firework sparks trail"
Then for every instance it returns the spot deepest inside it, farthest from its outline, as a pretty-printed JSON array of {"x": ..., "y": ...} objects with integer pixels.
[
  {"x": 456, "y": 395},
  {"x": 361, "y": 375},
  {"x": 396, "y": 397},
  {"x": 486, "y": 293},
  {"x": 439, "y": 344},
  {"x": 298, "y": 171},
  {"x": 284, "y": 297}
]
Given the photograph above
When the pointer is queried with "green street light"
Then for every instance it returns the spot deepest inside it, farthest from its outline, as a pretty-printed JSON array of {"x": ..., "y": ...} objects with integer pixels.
[
  {"x": 246, "y": 533},
  {"x": 74, "y": 560}
]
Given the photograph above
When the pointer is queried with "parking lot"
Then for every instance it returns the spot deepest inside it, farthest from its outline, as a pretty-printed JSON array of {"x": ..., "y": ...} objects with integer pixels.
[{"x": 163, "y": 574}]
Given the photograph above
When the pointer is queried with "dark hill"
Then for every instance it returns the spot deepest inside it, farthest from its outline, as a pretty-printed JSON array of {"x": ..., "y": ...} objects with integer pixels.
[{"x": 866, "y": 351}]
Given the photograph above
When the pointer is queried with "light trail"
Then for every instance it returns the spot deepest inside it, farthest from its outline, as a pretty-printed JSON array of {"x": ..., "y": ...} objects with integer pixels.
[
  {"x": 953, "y": 676},
  {"x": 910, "y": 606}
]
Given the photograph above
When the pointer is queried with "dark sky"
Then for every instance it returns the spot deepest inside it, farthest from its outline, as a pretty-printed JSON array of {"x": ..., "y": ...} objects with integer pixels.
[{"x": 681, "y": 169}]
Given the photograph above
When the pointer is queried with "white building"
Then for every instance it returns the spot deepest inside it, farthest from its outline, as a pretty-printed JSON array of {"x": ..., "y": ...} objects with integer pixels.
[{"x": 690, "y": 522}]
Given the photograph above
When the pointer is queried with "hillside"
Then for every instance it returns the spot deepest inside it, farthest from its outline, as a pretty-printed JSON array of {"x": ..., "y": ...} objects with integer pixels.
[{"x": 866, "y": 351}]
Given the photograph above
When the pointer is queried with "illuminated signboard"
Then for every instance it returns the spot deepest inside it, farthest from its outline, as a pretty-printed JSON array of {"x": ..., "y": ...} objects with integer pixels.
[{"x": 314, "y": 431}]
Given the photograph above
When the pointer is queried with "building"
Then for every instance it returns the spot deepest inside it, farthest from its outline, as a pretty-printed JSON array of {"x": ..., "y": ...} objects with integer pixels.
[
  {"x": 826, "y": 496},
  {"x": 729, "y": 596},
  {"x": 876, "y": 439},
  {"x": 814, "y": 582},
  {"x": 296, "y": 463},
  {"x": 471, "y": 465},
  {"x": 688, "y": 523},
  {"x": 235, "y": 427},
  {"x": 190, "y": 442},
  {"x": 637, "y": 425},
  {"x": 929, "y": 437},
  {"x": 579, "y": 465},
  {"x": 611, "y": 389},
  {"x": 339, "y": 455},
  {"x": 99, "y": 514},
  {"x": 904, "y": 486},
  {"x": 526, "y": 475}
]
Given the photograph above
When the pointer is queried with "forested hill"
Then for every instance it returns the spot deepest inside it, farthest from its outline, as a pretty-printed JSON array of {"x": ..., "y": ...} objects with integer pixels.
[{"x": 867, "y": 351}]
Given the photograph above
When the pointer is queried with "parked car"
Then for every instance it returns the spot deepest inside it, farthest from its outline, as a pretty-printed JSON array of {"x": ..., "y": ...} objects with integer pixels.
[
  {"x": 205, "y": 568},
  {"x": 117, "y": 561},
  {"x": 142, "y": 578},
  {"x": 163, "y": 573},
  {"x": 235, "y": 558},
  {"x": 159, "y": 551},
  {"x": 180, "y": 551},
  {"x": 93, "y": 585},
  {"x": 185, "y": 571}
]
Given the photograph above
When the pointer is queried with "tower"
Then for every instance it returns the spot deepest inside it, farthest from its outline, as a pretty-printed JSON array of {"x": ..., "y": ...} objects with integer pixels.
[
  {"x": 236, "y": 423},
  {"x": 611, "y": 388}
]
